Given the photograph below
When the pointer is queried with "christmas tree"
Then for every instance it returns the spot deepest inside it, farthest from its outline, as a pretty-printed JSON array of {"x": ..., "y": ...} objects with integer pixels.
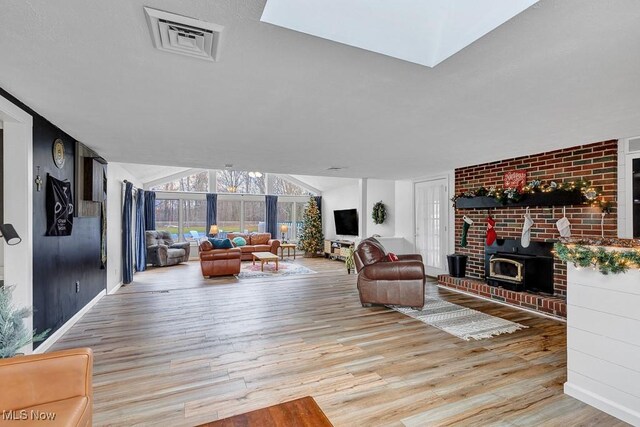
[{"x": 311, "y": 237}]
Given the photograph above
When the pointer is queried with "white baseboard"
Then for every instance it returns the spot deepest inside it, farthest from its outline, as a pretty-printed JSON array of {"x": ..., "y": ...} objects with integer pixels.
[
  {"x": 115, "y": 289},
  {"x": 621, "y": 412},
  {"x": 559, "y": 319},
  {"x": 64, "y": 328}
]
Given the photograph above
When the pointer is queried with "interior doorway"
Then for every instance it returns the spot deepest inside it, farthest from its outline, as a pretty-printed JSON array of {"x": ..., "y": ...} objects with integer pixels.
[{"x": 432, "y": 224}]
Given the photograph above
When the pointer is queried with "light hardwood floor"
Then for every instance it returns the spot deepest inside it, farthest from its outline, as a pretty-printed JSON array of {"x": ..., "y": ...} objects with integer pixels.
[{"x": 174, "y": 349}]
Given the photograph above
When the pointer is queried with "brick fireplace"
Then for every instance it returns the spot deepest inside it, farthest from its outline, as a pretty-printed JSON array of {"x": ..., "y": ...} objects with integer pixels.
[{"x": 593, "y": 162}]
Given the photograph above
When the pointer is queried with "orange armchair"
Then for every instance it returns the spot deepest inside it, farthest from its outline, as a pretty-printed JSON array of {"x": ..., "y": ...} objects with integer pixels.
[{"x": 54, "y": 385}]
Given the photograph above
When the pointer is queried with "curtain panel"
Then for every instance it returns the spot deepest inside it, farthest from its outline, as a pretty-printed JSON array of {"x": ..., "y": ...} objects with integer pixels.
[
  {"x": 149, "y": 210},
  {"x": 141, "y": 248},
  {"x": 271, "y": 203},
  {"x": 127, "y": 249},
  {"x": 212, "y": 211}
]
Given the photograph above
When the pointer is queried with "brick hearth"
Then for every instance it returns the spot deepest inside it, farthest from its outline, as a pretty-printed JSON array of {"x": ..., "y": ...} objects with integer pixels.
[{"x": 554, "y": 306}]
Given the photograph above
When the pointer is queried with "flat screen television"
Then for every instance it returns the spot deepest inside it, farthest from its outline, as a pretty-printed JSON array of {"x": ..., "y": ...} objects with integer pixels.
[{"x": 346, "y": 222}]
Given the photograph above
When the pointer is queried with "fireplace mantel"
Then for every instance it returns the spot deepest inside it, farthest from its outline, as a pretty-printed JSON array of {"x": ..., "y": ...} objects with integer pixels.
[
  {"x": 603, "y": 341},
  {"x": 554, "y": 198}
]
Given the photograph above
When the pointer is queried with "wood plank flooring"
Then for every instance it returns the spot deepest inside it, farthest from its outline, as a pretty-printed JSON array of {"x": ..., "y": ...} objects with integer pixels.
[{"x": 174, "y": 349}]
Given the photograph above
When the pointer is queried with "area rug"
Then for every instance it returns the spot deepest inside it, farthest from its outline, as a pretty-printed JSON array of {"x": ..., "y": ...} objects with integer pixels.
[
  {"x": 460, "y": 321},
  {"x": 250, "y": 271}
]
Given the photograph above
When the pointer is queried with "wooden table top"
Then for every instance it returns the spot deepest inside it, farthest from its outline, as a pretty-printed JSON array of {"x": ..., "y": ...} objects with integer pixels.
[
  {"x": 264, "y": 255},
  {"x": 287, "y": 245},
  {"x": 303, "y": 412}
]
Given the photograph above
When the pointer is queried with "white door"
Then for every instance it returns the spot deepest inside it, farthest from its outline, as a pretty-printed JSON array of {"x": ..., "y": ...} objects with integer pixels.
[{"x": 432, "y": 224}]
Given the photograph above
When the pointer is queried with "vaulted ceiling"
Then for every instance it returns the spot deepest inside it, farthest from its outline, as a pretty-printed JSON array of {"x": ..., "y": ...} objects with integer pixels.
[{"x": 561, "y": 73}]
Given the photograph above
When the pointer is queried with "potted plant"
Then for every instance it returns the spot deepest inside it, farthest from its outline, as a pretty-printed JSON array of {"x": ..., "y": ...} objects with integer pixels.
[
  {"x": 311, "y": 237},
  {"x": 13, "y": 333},
  {"x": 349, "y": 261}
]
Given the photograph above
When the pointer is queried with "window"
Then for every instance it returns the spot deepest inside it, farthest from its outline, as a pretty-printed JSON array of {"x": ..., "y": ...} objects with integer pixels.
[
  {"x": 197, "y": 182},
  {"x": 229, "y": 215},
  {"x": 195, "y": 219},
  {"x": 285, "y": 217},
  {"x": 167, "y": 217},
  {"x": 300, "y": 206},
  {"x": 284, "y": 187},
  {"x": 254, "y": 216},
  {"x": 242, "y": 182}
]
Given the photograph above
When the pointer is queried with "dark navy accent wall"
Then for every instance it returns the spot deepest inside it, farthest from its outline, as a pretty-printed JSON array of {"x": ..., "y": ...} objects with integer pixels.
[{"x": 60, "y": 262}]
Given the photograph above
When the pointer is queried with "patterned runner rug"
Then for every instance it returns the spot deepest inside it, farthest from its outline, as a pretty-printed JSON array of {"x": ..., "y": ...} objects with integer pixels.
[
  {"x": 285, "y": 268},
  {"x": 460, "y": 321}
]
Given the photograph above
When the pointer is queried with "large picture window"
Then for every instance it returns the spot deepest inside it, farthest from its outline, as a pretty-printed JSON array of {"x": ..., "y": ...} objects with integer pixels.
[
  {"x": 229, "y": 218},
  {"x": 168, "y": 216},
  {"x": 195, "y": 218},
  {"x": 254, "y": 216}
]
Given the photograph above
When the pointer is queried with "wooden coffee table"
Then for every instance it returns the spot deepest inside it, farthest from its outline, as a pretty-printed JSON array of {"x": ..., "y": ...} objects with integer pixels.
[
  {"x": 264, "y": 257},
  {"x": 303, "y": 412},
  {"x": 288, "y": 247}
]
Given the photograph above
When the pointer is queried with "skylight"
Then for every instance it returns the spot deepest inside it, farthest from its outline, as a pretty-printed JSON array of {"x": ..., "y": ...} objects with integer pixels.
[{"x": 422, "y": 31}]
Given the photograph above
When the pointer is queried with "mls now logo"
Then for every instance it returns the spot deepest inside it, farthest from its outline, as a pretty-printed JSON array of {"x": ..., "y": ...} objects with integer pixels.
[{"x": 33, "y": 415}]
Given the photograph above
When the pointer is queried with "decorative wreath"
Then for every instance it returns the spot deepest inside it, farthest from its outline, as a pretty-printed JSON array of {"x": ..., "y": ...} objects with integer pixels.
[{"x": 379, "y": 214}]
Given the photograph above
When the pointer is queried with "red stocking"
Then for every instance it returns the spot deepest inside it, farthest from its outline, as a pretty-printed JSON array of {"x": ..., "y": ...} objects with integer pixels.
[{"x": 491, "y": 231}]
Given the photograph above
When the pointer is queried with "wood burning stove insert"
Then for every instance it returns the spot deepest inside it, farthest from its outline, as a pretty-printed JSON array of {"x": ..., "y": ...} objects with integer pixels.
[{"x": 511, "y": 266}]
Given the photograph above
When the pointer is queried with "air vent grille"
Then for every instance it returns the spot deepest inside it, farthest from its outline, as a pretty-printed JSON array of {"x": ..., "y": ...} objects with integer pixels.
[
  {"x": 184, "y": 36},
  {"x": 634, "y": 145}
]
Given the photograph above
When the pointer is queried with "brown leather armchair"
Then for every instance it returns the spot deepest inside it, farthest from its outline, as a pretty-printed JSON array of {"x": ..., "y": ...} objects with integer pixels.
[
  {"x": 381, "y": 281},
  {"x": 56, "y": 384},
  {"x": 218, "y": 262}
]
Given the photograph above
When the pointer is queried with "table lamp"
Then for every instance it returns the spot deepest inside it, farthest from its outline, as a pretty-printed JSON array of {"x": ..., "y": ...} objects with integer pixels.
[
  {"x": 284, "y": 228},
  {"x": 213, "y": 230},
  {"x": 10, "y": 234}
]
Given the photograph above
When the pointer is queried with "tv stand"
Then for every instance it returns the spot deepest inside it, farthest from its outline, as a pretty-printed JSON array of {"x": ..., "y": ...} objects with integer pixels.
[{"x": 337, "y": 249}]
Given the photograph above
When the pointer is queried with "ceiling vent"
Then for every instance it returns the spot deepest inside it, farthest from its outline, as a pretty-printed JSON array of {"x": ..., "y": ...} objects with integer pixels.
[
  {"x": 183, "y": 35},
  {"x": 634, "y": 145}
]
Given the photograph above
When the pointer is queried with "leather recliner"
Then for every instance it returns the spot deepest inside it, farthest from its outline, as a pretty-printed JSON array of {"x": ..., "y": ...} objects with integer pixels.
[
  {"x": 163, "y": 251},
  {"x": 218, "y": 262},
  {"x": 381, "y": 281},
  {"x": 56, "y": 385}
]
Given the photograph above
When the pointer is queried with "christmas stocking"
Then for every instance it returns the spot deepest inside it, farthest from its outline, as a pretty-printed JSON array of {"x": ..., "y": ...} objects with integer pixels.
[
  {"x": 526, "y": 229},
  {"x": 491, "y": 231},
  {"x": 466, "y": 224}
]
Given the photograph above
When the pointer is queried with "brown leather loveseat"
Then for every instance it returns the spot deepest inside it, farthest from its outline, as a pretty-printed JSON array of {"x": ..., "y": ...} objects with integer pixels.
[
  {"x": 381, "y": 281},
  {"x": 256, "y": 242},
  {"x": 51, "y": 389},
  {"x": 218, "y": 262}
]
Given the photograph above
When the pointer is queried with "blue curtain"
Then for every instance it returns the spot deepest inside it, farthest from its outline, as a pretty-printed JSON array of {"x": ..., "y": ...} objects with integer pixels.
[
  {"x": 319, "y": 203},
  {"x": 141, "y": 247},
  {"x": 212, "y": 211},
  {"x": 272, "y": 215},
  {"x": 149, "y": 210},
  {"x": 127, "y": 250}
]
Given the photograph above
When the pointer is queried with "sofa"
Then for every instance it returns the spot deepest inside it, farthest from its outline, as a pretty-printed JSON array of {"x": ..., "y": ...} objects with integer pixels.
[
  {"x": 386, "y": 282},
  {"x": 58, "y": 382},
  {"x": 163, "y": 251},
  {"x": 218, "y": 262},
  {"x": 256, "y": 242}
]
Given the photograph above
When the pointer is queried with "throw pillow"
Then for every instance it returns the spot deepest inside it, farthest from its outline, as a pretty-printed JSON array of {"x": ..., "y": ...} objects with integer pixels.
[
  {"x": 221, "y": 243},
  {"x": 239, "y": 241},
  {"x": 392, "y": 257}
]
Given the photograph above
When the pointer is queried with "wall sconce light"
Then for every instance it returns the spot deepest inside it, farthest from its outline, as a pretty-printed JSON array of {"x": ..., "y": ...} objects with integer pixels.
[
  {"x": 213, "y": 230},
  {"x": 38, "y": 180},
  {"x": 283, "y": 229},
  {"x": 10, "y": 234}
]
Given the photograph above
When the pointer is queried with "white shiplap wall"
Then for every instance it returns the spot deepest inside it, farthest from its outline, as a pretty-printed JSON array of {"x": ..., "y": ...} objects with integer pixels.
[{"x": 603, "y": 341}]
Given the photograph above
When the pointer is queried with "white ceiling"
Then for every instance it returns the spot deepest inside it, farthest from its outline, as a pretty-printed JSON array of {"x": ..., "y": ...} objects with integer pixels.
[
  {"x": 561, "y": 73},
  {"x": 422, "y": 31}
]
